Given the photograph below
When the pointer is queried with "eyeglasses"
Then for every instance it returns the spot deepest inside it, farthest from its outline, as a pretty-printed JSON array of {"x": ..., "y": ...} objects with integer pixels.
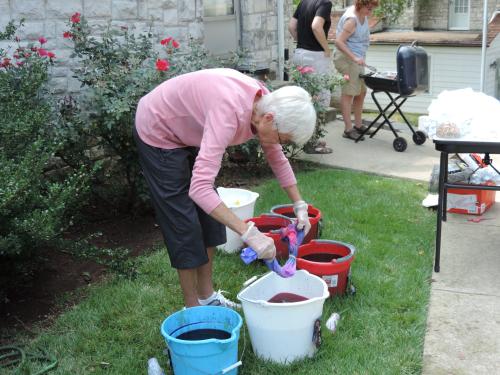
[{"x": 279, "y": 138}]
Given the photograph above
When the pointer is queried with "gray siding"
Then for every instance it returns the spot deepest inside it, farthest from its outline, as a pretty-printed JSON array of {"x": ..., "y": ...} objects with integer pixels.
[
  {"x": 445, "y": 72},
  {"x": 492, "y": 55}
]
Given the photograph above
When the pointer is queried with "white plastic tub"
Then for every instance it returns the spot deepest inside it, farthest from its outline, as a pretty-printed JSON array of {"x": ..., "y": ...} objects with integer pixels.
[
  {"x": 242, "y": 203},
  {"x": 283, "y": 332}
]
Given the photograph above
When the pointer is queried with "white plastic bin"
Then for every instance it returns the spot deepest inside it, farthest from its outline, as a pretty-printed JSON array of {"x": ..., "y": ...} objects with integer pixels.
[
  {"x": 283, "y": 332},
  {"x": 242, "y": 203}
]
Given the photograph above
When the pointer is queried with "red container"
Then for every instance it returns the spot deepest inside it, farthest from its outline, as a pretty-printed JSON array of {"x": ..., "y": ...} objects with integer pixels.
[
  {"x": 270, "y": 225},
  {"x": 470, "y": 202},
  {"x": 314, "y": 218},
  {"x": 330, "y": 260}
]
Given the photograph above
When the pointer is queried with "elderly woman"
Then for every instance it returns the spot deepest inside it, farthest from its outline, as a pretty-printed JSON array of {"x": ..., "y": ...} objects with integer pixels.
[
  {"x": 182, "y": 130},
  {"x": 352, "y": 41}
]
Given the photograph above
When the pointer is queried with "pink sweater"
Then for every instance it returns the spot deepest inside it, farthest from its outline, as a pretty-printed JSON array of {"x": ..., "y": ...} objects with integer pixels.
[{"x": 210, "y": 109}]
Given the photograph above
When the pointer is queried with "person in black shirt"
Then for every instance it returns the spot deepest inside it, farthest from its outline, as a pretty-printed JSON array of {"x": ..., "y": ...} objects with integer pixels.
[{"x": 309, "y": 26}]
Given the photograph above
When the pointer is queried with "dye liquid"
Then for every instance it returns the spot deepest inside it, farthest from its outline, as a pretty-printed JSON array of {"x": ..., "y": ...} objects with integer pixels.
[
  {"x": 287, "y": 298},
  {"x": 267, "y": 228},
  {"x": 321, "y": 257},
  {"x": 204, "y": 334}
]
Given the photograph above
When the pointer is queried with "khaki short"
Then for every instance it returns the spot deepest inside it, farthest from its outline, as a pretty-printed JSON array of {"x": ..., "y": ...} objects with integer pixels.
[{"x": 345, "y": 65}]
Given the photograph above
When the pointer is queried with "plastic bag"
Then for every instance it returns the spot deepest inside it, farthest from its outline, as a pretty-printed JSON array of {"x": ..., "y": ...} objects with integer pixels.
[{"x": 465, "y": 114}]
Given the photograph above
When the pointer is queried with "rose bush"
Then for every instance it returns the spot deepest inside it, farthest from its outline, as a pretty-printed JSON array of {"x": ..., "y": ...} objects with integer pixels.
[
  {"x": 115, "y": 70},
  {"x": 314, "y": 83}
]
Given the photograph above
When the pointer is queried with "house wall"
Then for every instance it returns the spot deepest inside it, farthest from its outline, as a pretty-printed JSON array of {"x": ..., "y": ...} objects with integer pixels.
[
  {"x": 490, "y": 76},
  {"x": 181, "y": 19},
  {"x": 445, "y": 73},
  {"x": 433, "y": 14},
  {"x": 260, "y": 31}
]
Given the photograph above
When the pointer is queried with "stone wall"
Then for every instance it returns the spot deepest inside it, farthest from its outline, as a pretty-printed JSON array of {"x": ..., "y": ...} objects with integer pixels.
[
  {"x": 180, "y": 19},
  {"x": 433, "y": 14},
  {"x": 260, "y": 31}
]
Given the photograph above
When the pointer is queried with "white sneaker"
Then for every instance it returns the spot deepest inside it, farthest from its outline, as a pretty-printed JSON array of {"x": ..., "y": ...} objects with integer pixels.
[{"x": 217, "y": 299}]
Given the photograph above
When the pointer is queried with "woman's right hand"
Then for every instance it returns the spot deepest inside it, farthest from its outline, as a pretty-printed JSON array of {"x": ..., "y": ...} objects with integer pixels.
[
  {"x": 260, "y": 243},
  {"x": 359, "y": 61}
]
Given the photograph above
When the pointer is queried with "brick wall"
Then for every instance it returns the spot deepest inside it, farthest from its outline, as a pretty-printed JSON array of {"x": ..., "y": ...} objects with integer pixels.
[{"x": 181, "y": 19}]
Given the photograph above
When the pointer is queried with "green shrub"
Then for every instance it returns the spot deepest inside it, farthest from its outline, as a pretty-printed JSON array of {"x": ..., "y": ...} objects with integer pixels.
[
  {"x": 314, "y": 83},
  {"x": 36, "y": 204},
  {"x": 116, "y": 69}
]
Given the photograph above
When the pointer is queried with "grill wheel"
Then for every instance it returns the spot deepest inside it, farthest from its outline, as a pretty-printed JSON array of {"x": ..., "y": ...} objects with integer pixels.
[
  {"x": 399, "y": 144},
  {"x": 419, "y": 137}
]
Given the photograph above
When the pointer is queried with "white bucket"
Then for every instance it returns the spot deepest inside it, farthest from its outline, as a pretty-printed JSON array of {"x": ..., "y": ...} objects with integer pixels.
[
  {"x": 283, "y": 332},
  {"x": 242, "y": 203}
]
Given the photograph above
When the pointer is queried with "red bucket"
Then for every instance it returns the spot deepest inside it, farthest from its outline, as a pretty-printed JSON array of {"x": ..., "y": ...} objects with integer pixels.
[
  {"x": 330, "y": 260},
  {"x": 314, "y": 218},
  {"x": 270, "y": 225}
]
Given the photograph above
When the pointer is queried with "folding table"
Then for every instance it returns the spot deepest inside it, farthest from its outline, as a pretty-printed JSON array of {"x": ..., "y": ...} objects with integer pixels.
[{"x": 446, "y": 147}]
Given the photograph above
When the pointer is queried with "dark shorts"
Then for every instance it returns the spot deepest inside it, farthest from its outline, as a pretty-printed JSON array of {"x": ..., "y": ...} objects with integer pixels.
[{"x": 186, "y": 228}]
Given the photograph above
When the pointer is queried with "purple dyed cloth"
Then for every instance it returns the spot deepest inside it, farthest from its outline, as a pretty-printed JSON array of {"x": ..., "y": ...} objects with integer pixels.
[{"x": 294, "y": 238}]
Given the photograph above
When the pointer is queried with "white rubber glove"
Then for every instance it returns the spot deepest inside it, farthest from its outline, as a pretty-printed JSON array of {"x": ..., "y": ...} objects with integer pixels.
[
  {"x": 259, "y": 242},
  {"x": 300, "y": 210}
]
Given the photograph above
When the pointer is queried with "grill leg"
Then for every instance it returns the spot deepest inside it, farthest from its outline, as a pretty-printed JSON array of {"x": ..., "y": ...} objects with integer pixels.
[{"x": 383, "y": 112}]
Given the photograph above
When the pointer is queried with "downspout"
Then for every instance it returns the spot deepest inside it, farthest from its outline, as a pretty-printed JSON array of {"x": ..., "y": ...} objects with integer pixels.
[
  {"x": 483, "y": 48},
  {"x": 281, "y": 39},
  {"x": 240, "y": 22}
]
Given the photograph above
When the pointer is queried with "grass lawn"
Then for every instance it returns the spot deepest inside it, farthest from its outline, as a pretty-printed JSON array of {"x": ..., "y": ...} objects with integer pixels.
[
  {"x": 411, "y": 117},
  {"x": 116, "y": 327}
]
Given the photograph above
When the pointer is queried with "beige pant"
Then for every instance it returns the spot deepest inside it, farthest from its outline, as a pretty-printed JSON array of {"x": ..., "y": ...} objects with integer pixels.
[
  {"x": 345, "y": 65},
  {"x": 320, "y": 64}
]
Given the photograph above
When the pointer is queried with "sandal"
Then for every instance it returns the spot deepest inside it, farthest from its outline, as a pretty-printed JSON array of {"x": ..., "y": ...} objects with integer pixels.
[
  {"x": 352, "y": 134},
  {"x": 318, "y": 149},
  {"x": 361, "y": 129}
]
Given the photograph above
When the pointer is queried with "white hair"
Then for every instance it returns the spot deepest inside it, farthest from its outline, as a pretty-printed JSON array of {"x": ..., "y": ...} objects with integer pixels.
[{"x": 293, "y": 112}]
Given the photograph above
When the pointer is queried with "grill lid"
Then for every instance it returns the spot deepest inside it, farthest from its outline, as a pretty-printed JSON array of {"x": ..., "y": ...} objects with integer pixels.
[{"x": 413, "y": 70}]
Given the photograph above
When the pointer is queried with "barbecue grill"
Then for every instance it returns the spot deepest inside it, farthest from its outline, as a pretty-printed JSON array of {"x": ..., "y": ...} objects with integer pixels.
[{"x": 412, "y": 78}]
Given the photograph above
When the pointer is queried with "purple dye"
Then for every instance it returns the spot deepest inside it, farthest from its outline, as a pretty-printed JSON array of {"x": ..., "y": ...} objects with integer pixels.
[
  {"x": 321, "y": 257},
  {"x": 287, "y": 298},
  {"x": 204, "y": 334}
]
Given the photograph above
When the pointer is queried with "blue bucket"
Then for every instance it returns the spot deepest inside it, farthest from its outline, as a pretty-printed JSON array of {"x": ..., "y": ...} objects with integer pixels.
[{"x": 211, "y": 356}]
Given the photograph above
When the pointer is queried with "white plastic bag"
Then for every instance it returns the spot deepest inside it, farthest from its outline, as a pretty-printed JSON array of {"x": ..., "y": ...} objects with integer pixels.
[{"x": 465, "y": 114}]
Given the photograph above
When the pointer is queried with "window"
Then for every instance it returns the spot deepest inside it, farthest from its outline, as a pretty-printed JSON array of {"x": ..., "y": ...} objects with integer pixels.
[
  {"x": 217, "y": 8},
  {"x": 461, "y": 6}
]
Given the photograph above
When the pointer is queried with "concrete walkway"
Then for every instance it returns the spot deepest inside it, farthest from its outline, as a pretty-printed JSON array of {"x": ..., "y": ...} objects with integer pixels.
[{"x": 463, "y": 326}]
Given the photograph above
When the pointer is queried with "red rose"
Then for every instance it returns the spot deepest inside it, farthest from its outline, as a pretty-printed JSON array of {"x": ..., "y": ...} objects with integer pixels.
[
  {"x": 165, "y": 41},
  {"x": 42, "y": 52},
  {"x": 75, "y": 18},
  {"x": 51, "y": 55},
  {"x": 42, "y": 40},
  {"x": 175, "y": 44},
  {"x": 67, "y": 35},
  {"x": 162, "y": 65}
]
